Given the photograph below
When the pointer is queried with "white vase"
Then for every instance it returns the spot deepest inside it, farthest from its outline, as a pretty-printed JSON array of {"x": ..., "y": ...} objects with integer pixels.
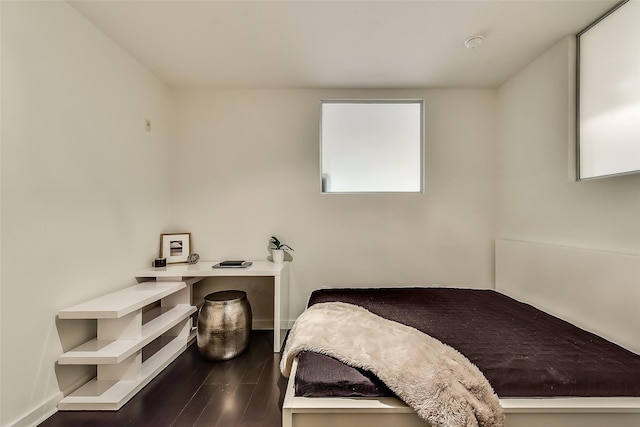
[{"x": 278, "y": 256}]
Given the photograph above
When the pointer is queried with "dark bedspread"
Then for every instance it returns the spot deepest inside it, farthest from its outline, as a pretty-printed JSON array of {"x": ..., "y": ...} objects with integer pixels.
[{"x": 522, "y": 351}]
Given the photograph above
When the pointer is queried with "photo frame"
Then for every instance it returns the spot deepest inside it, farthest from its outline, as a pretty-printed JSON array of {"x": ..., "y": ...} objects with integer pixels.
[{"x": 175, "y": 247}]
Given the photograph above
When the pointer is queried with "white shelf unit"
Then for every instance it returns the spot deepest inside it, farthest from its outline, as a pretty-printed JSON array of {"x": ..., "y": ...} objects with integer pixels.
[
  {"x": 140, "y": 331},
  {"x": 203, "y": 269}
]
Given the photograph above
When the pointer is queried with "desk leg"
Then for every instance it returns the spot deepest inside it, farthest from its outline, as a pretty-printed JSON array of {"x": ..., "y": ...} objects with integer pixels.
[
  {"x": 280, "y": 308},
  {"x": 277, "y": 286}
]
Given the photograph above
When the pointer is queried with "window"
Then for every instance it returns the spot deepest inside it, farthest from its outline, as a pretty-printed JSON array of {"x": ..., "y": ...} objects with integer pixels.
[
  {"x": 371, "y": 146},
  {"x": 609, "y": 94}
]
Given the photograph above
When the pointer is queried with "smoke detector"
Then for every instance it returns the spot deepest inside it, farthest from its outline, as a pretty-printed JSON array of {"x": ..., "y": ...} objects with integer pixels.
[{"x": 474, "y": 42}]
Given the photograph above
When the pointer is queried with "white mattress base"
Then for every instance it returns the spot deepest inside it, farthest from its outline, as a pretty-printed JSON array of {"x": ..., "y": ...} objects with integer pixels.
[{"x": 385, "y": 411}]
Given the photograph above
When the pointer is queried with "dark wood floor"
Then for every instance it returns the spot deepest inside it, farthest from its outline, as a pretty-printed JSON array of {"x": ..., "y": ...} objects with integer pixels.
[{"x": 245, "y": 391}]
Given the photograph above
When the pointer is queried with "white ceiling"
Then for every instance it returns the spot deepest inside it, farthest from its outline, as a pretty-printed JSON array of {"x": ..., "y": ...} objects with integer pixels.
[{"x": 338, "y": 44}]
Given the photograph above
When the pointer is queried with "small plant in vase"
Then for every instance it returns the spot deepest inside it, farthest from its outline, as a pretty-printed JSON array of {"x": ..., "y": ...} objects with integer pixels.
[{"x": 277, "y": 251}]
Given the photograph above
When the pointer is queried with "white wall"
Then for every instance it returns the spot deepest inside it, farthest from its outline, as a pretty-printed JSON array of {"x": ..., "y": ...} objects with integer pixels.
[
  {"x": 83, "y": 189},
  {"x": 246, "y": 166},
  {"x": 539, "y": 199}
]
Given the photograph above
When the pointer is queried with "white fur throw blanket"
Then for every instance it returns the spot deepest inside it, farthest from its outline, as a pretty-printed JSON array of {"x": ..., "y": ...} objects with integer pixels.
[{"x": 434, "y": 379}]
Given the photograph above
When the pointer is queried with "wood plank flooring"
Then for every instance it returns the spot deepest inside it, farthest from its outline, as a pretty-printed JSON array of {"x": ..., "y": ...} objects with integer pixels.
[{"x": 245, "y": 391}]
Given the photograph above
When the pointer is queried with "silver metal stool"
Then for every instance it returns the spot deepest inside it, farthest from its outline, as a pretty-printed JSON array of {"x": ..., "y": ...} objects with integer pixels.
[{"x": 224, "y": 325}]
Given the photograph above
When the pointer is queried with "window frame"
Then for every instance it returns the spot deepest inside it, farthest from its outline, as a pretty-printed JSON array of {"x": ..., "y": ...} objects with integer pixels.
[{"x": 419, "y": 102}]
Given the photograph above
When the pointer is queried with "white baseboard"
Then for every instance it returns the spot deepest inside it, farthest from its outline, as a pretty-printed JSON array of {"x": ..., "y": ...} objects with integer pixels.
[
  {"x": 48, "y": 407},
  {"x": 288, "y": 323},
  {"x": 38, "y": 414},
  {"x": 268, "y": 324}
]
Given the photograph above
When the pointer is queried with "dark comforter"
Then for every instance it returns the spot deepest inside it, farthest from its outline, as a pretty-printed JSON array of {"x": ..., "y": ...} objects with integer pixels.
[{"x": 522, "y": 351}]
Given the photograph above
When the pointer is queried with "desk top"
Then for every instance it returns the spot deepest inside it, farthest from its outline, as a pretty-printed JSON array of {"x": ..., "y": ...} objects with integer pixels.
[{"x": 205, "y": 269}]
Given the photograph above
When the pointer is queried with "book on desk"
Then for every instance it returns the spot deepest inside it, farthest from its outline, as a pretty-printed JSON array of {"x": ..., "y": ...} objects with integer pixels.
[{"x": 233, "y": 264}]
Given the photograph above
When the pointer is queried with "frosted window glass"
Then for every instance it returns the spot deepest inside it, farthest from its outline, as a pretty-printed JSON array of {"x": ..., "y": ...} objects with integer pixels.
[
  {"x": 371, "y": 146},
  {"x": 609, "y": 94}
]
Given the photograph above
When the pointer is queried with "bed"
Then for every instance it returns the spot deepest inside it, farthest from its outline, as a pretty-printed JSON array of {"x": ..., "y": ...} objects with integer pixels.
[{"x": 322, "y": 391}]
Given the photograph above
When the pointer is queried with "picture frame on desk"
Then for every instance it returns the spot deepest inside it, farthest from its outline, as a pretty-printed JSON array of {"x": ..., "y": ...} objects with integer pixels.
[{"x": 175, "y": 247}]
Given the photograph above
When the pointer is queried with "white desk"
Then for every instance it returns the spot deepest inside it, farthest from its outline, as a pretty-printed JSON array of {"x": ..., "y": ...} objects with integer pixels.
[{"x": 203, "y": 269}]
